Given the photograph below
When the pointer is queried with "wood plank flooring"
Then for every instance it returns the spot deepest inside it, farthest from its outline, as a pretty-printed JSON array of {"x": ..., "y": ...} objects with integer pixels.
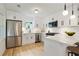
[{"x": 34, "y": 49}]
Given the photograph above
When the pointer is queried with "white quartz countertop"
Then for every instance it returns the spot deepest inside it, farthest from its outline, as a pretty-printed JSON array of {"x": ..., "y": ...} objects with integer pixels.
[{"x": 60, "y": 40}]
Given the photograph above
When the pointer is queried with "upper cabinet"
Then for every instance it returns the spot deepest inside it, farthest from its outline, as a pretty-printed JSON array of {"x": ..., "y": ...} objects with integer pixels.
[{"x": 66, "y": 20}]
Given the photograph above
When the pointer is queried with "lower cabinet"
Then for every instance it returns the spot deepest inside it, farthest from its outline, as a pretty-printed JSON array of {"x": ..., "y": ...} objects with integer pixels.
[{"x": 28, "y": 38}]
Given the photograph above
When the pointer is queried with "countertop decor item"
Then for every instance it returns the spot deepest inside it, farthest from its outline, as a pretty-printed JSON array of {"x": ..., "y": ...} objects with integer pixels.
[{"x": 70, "y": 33}]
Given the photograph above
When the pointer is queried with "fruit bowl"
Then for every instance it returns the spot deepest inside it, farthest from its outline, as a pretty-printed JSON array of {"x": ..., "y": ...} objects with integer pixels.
[{"x": 70, "y": 33}]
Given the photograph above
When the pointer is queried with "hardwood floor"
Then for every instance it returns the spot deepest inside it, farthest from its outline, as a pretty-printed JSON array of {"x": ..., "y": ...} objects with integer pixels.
[{"x": 34, "y": 49}]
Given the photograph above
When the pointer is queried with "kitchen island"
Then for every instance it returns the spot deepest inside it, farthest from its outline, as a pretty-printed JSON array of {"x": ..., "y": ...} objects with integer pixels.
[{"x": 56, "y": 46}]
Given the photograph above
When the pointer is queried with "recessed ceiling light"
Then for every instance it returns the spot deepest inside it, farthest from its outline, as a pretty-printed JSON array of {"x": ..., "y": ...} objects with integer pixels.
[
  {"x": 36, "y": 10},
  {"x": 18, "y": 5}
]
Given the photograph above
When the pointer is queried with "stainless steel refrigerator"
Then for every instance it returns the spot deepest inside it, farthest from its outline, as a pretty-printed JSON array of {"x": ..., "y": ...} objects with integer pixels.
[{"x": 13, "y": 33}]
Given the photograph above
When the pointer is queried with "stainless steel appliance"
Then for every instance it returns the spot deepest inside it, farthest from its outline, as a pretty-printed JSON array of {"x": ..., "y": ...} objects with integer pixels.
[
  {"x": 37, "y": 37},
  {"x": 13, "y": 33}
]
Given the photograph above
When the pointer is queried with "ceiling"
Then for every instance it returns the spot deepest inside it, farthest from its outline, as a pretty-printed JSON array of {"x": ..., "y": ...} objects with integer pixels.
[{"x": 45, "y": 9}]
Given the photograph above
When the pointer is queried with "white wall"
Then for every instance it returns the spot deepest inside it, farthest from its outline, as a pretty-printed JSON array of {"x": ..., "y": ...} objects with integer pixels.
[
  {"x": 13, "y": 15},
  {"x": 2, "y": 29}
]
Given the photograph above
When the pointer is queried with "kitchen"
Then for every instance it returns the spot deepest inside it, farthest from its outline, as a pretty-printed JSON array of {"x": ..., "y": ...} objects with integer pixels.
[{"x": 39, "y": 19}]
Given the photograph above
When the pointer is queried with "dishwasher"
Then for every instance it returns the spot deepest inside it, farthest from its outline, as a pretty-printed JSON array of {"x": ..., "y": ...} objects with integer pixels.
[{"x": 37, "y": 37}]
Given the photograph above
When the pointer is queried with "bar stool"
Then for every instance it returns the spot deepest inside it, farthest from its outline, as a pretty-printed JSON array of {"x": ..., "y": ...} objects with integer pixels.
[
  {"x": 73, "y": 51},
  {"x": 70, "y": 53}
]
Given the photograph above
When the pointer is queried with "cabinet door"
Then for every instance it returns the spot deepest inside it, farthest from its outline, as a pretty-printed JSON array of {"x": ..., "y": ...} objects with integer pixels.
[
  {"x": 32, "y": 38},
  {"x": 28, "y": 38},
  {"x": 62, "y": 23},
  {"x": 25, "y": 39}
]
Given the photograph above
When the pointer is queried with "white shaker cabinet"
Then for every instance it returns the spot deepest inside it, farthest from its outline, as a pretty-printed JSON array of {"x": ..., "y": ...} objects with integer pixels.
[{"x": 28, "y": 38}]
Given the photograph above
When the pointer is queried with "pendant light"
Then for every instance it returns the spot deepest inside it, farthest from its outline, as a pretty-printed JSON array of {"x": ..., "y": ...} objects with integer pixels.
[
  {"x": 73, "y": 15},
  {"x": 65, "y": 12}
]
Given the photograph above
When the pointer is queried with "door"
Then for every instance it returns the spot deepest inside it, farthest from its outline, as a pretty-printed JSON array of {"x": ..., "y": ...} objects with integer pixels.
[{"x": 13, "y": 33}]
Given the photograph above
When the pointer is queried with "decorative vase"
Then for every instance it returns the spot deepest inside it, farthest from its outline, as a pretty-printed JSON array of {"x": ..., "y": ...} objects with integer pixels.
[{"x": 70, "y": 33}]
